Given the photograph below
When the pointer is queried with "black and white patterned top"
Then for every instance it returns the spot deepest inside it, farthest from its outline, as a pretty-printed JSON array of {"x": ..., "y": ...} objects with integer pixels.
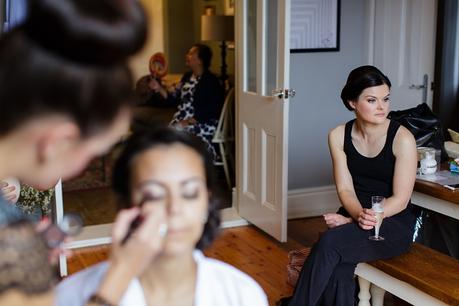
[{"x": 185, "y": 110}]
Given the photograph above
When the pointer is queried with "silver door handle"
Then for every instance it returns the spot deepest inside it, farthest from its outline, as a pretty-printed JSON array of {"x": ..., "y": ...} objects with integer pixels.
[
  {"x": 423, "y": 86},
  {"x": 283, "y": 93},
  {"x": 412, "y": 86}
]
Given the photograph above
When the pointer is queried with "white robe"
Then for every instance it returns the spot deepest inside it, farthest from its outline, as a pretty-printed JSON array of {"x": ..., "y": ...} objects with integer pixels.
[{"x": 218, "y": 284}]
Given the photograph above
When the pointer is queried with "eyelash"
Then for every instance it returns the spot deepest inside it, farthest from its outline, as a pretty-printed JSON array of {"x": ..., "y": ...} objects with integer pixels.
[
  {"x": 373, "y": 100},
  {"x": 186, "y": 195},
  {"x": 151, "y": 198},
  {"x": 191, "y": 195}
]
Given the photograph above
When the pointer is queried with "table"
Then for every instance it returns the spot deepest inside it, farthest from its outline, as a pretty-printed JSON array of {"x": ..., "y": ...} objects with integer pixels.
[
  {"x": 428, "y": 195},
  {"x": 436, "y": 198}
]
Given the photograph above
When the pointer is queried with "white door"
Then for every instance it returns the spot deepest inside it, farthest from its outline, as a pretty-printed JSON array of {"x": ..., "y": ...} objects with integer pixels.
[
  {"x": 262, "y": 120},
  {"x": 401, "y": 43}
]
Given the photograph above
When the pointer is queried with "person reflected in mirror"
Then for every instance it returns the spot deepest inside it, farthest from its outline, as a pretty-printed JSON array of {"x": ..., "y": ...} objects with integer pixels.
[{"x": 199, "y": 97}]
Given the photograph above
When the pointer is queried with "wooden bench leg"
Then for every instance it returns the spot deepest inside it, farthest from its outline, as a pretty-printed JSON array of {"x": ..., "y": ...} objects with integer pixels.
[
  {"x": 377, "y": 295},
  {"x": 364, "y": 294}
]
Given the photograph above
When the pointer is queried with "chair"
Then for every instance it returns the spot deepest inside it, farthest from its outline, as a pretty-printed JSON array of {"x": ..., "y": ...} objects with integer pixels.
[{"x": 224, "y": 136}]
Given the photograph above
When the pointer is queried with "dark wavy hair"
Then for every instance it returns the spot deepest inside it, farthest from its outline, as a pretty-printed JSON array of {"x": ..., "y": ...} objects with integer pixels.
[
  {"x": 166, "y": 136},
  {"x": 24, "y": 262},
  {"x": 70, "y": 57},
  {"x": 358, "y": 80},
  {"x": 204, "y": 54}
]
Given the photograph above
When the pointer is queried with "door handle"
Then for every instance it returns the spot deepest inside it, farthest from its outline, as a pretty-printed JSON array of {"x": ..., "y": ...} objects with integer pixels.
[
  {"x": 283, "y": 93},
  {"x": 412, "y": 86},
  {"x": 423, "y": 86}
]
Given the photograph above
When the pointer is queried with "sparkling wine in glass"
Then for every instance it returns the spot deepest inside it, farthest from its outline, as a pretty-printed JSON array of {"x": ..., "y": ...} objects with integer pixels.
[{"x": 377, "y": 205}]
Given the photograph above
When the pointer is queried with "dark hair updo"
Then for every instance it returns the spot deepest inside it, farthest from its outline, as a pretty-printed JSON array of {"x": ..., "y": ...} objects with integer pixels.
[
  {"x": 358, "y": 80},
  {"x": 204, "y": 54},
  {"x": 24, "y": 263},
  {"x": 70, "y": 57},
  {"x": 166, "y": 136}
]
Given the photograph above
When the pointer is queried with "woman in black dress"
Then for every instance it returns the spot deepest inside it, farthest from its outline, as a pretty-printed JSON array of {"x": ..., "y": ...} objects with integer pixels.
[{"x": 371, "y": 155}]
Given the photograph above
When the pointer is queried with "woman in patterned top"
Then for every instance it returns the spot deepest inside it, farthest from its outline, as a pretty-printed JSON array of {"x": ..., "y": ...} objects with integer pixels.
[{"x": 199, "y": 97}]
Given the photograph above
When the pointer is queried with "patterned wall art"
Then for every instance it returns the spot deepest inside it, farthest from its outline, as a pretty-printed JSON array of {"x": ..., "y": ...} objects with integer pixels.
[{"x": 315, "y": 25}]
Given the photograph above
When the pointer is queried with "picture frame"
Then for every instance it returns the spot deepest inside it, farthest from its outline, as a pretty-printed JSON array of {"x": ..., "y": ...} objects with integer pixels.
[
  {"x": 315, "y": 26},
  {"x": 229, "y": 7}
]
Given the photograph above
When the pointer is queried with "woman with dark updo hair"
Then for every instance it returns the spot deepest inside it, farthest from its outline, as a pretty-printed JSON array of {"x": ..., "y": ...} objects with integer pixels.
[
  {"x": 66, "y": 86},
  {"x": 168, "y": 173},
  {"x": 64, "y": 99},
  {"x": 372, "y": 156}
]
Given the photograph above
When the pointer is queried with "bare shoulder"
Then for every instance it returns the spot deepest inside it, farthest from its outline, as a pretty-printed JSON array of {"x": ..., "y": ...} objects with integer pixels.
[
  {"x": 404, "y": 140},
  {"x": 336, "y": 135}
]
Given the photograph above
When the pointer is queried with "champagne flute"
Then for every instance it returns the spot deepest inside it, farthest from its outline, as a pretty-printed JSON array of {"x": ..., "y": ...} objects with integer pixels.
[{"x": 377, "y": 205}]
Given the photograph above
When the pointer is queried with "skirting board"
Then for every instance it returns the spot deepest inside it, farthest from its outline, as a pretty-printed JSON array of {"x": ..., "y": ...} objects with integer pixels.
[{"x": 311, "y": 202}]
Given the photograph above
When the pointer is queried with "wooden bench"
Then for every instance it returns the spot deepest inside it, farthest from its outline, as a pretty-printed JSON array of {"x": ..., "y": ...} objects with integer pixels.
[{"x": 421, "y": 277}]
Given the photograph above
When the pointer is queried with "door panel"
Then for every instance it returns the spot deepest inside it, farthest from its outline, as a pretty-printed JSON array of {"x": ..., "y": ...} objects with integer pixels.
[
  {"x": 402, "y": 45},
  {"x": 262, "y": 59}
]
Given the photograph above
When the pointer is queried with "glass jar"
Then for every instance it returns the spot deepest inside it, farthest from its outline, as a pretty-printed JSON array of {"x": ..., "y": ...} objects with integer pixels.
[{"x": 428, "y": 163}]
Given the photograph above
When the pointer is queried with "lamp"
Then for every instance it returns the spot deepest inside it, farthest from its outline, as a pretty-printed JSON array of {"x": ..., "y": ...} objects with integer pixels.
[{"x": 218, "y": 28}]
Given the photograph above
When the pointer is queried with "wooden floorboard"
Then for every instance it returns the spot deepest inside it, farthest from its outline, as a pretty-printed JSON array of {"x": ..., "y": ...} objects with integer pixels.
[{"x": 248, "y": 249}]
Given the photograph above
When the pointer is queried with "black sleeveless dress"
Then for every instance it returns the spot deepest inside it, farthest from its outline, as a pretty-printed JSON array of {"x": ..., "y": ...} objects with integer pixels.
[
  {"x": 371, "y": 175},
  {"x": 327, "y": 275}
]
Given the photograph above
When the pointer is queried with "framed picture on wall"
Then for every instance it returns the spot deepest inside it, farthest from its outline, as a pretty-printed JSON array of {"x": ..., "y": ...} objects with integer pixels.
[
  {"x": 315, "y": 25},
  {"x": 229, "y": 7}
]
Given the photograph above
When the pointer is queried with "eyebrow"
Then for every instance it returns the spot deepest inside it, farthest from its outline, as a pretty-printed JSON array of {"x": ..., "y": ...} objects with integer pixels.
[
  {"x": 193, "y": 179},
  {"x": 371, "y": 96},
  {"x": 182, "y": 183}
]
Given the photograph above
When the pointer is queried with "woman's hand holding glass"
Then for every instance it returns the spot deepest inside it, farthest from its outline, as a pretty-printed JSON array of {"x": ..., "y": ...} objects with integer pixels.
[
  {"x": 372, "y": 218},
  {"x": 377, "y": 206},
  {"x": 367, "y": 219}
]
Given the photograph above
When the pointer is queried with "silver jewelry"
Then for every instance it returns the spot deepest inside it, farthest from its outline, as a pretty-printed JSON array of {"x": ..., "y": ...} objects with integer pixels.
[{"x": 162, "y": 230}]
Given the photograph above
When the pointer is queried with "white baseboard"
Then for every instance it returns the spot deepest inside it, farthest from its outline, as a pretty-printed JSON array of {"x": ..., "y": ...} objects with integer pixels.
[
  {"x": 311, "y": 202},
  {"x": 230, "y": 218}
]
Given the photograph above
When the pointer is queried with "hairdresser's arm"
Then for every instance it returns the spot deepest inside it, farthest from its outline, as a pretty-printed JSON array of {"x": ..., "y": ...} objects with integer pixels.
[
  {"x": 343, "y": 178},
  {"x": 129, "y": 260}
]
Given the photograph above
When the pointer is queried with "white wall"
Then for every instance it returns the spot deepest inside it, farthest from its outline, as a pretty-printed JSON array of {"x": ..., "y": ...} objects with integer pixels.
[
  {"x": 155, "y": 41},
  {"x": 318, "y": 79}
]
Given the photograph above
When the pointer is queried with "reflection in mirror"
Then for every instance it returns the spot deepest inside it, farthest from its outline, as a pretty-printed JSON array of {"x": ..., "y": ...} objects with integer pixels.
[{"x": 175, "y": 25}]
